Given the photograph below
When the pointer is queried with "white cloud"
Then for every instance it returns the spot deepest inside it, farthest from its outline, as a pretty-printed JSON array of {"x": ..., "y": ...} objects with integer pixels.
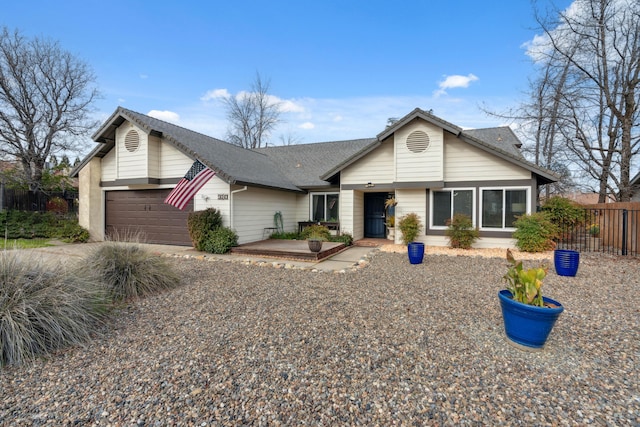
[
  {"x": 287, "y": 105},
  {"x": 454, "y": 81},
  {"x": 168, "y": 116},
  {"x": 215, "y": 94},
  {"x": 144, "y": 76},
  {"x": 306, "y": 125}
]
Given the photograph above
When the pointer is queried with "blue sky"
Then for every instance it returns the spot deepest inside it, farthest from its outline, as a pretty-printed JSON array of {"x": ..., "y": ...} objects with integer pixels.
[{"x": 340, "y": 68}]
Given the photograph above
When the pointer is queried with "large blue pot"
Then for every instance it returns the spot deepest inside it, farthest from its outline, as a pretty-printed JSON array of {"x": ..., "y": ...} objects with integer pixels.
[
  {"x": 566, "y": 262},
  {"x": 416, "y": 252},
  {"x": 528, "y": 325}
]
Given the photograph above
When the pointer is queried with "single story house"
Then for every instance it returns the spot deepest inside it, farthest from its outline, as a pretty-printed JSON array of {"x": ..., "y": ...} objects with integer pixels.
[{"x": 430, "y": 166}]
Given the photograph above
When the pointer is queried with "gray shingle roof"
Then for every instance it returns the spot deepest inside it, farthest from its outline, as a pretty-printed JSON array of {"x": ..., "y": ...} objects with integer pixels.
[
  {"x": 502, "y": 137},
  {"x": 294, "y": 167},
  {"x": 303, "y": 164}
]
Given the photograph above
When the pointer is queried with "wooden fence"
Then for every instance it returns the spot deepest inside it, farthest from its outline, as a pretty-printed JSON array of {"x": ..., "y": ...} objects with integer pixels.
[
  {"x": 35, "y": 201},
  {"x": 607, "y": 227}
]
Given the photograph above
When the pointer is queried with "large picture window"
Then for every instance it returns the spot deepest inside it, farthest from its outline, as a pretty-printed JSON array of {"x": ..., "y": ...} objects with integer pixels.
[
  {"x": 446, "y": 203},
  {"x": 324, "y": 206},
  {"x": 501, "y": 207}
]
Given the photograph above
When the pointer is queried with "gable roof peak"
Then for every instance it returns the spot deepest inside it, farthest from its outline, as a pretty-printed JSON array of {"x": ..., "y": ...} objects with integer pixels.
[{"x": 427, "y": 116}]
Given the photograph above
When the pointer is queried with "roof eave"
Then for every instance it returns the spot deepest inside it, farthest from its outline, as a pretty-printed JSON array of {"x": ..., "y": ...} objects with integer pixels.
[
  {"x": 547, "y": 175},
  {"x": 419, "y": 113}
]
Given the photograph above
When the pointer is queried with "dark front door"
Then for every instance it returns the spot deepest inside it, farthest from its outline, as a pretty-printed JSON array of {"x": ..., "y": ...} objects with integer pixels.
[{"x": 374, "y": 215}]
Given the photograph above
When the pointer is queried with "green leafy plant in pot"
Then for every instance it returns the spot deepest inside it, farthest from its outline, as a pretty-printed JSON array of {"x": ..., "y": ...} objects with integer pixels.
[
  {"x": 528, "y": 316},
  {"x": 411, "y": 226},
  {"x": 315, "y": 235}
]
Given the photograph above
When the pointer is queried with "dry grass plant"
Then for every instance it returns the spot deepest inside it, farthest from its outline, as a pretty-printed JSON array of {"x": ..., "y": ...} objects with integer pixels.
[
  {"x": 127, "y": 270},
  {"x": 44, "y": 307}
]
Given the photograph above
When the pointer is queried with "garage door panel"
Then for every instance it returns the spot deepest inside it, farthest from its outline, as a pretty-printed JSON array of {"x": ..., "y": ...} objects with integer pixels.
[{"x": 143, "y": 212}]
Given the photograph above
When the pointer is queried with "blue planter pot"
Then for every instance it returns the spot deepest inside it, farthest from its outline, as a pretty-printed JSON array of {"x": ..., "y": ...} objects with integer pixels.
[
  {"x": 416, "y": 252},
  {"x": 566, "y": 262},
  {"x": 528, "y": 325}
]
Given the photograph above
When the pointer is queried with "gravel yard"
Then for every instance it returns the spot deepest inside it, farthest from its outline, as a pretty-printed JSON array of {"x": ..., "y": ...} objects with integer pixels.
[{"x": 388, "y": 344}]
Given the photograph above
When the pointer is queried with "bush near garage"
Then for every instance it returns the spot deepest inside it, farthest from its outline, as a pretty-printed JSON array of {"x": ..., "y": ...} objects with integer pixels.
[
  {"x": 200, "y": 223},
  {"x": 219, "y": 241}
]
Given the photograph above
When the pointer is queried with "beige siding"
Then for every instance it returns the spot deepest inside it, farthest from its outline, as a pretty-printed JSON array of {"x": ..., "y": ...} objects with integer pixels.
[
  {"x": 425, "y": 166},
  {"x": 253, "y": 210},
  {"x": 91, "y": 199},
  {"x": 411, "y": 201},
  {"x": 302, "y": 209},
  {"x": 173, "y": 163},
  {"x": 131, "y": 165},
  {"x": 377, "y": 166},
  {"x": 154, "y": 156},
  {"x": 463, "y": 162},
  {"x": 358, "y": 215},
  {"x": 346, "y": 211},
  {"x": 207, "y": 198},
  {"x": 109, "y": 166}
]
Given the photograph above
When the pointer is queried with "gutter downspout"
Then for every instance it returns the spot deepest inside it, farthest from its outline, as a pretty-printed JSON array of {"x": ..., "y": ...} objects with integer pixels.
[{"x": 231, "y": 212}]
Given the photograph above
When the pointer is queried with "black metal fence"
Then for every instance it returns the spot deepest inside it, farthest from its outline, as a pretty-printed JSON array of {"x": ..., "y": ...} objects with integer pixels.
[
  {"x": 608, "y": 230},
  {"x": 35, "y": 201}
]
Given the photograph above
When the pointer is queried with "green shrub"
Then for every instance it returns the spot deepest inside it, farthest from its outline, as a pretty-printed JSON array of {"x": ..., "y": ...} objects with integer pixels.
[
  {"x": 126, "y": 270},
  {"x": 560, "y": 210},
  {"x": 410, "y": 226},
  {"x": 535, "y": 232},
  {"x": 316, "y": 231},
  {"x": 72, "y": 232},
  {"x": 200, "y": 223},
  {"x": 461, "y": 232},
  {"x": 285, "y": 235},
  {"x": 31, "y": 225},
  {"x": 345, "y": 238},
  {"x": 44, "y": 307},
  {"x": 220, "y": 240}
]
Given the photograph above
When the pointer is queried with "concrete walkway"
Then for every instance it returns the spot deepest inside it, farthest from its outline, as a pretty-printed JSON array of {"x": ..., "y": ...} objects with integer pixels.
[{"x": 348, "y": 259}]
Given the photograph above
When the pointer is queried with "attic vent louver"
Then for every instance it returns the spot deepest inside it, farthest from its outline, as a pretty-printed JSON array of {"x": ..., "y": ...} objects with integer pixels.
[
  {"x": 132, "y": 141},
  {"x": 417, "y": 141}
]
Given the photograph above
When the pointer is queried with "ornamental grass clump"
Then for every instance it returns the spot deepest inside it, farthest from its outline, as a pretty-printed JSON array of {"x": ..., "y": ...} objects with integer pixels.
[
  {"x": 44, "y": 307},
  {"x": 525, "y": 285},
  {"x": 127, "y": 270}
]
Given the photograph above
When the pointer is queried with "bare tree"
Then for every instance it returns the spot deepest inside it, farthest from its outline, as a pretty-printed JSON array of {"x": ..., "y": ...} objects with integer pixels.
[
  {"x": 252, "y": 115},
  {"x": 599, "y": 40},
  {"x": 45, "y": 101}
]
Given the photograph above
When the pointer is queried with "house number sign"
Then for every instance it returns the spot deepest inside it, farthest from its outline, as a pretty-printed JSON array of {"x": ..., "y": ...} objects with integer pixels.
[{"x": 223, "y": 197}]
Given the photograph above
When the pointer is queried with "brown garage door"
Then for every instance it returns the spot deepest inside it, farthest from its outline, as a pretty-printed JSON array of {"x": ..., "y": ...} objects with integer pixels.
[{"x": 143, "y": 212}]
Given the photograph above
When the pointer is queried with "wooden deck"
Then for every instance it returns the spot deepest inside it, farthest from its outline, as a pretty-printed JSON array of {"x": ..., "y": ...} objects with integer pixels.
[{"x": 287, "y": 249}]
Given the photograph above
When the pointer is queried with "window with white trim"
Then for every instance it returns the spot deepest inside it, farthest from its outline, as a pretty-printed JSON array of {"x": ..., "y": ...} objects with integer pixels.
[
  {"x": 501, "y": 207},
  {"x": 446, "y": 203},
  {"x": 324, "y": 206}
]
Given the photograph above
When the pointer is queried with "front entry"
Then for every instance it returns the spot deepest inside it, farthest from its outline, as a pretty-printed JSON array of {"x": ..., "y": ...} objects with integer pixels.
[{"x": 374, "y": 215}]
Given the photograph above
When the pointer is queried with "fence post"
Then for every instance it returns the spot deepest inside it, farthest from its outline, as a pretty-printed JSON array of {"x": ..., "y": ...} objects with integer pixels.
[{"x": 624, "y": 231}]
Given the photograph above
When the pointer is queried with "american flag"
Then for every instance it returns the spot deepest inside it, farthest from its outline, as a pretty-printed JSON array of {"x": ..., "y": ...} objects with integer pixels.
[{"x": 188, "y": 186}]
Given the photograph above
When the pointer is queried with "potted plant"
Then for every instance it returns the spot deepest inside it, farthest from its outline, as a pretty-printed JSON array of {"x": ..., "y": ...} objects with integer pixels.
[
  {"x": 389, "y": 206},
  {"x": 528, "y": 316},
  {"x": 566, "y": 262},
  {"x": 410, "y": 227},
  {"x": 391, "y": 223},
  {"x": 315, "y": 235}
]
